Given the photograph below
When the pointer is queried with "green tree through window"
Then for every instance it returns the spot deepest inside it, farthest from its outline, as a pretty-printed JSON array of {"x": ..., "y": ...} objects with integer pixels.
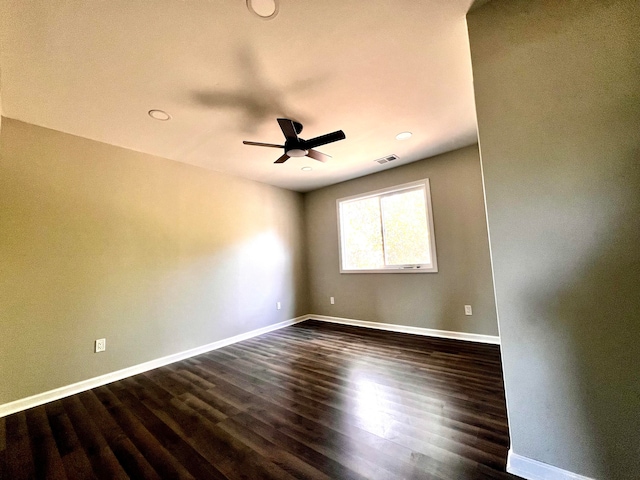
[{"x": 388, "y": 230}]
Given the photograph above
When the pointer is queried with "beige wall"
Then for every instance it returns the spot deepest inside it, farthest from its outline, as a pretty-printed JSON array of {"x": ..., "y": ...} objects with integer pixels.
[
  {"x": 429, "y": 300},
  {"x": 156, "y": 256},
  {"x": 558, "y": 101}
]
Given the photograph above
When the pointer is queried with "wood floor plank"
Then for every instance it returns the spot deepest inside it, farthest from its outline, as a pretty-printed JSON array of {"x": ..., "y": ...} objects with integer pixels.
[
  {"x": 227, "y": 452},
  {"x": 198, "y": 466},
  {"x": 312, "y": 401},
  {"x": 3, "y": 448},
  {"x": 367, "y": 459},
  {"x": 3, "y": 434},
  {"x": 104, "y": 463},
  {"x": 131, "y": 459},
  {"x": 74, "y": 458},
  {"x": 314, "y": 458},
  {"x": 220, "y": 448},
  {"x": 149, "y": 446},
  {"x": 19, "y": 458},
  {"x": 49, "y": 464},
  {"x": 282, "y": 458}
]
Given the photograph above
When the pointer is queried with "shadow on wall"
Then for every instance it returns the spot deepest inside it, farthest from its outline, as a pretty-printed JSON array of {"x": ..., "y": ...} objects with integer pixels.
[{"x": 599, "y": 315}]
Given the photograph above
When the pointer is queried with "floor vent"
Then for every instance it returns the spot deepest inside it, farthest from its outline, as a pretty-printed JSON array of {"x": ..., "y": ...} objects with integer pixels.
[{"x": 388, "y": 158}]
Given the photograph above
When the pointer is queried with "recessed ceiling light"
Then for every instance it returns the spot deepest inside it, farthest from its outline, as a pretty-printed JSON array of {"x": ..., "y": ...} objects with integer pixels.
[
  {"x": 265, "y": 9},
  {"x": 403, "y": 135},
  {"x": 306, "y": 169},
  {"x": 159, "y": 115}
]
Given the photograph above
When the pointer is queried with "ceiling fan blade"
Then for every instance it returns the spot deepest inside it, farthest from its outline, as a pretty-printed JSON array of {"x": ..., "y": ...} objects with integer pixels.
[
  {"x": 259, "y": 144},
  {"x": 288, "y": 128},
  {"x": 316, "y": 155},
  {"x": 283, "y": 159},
  {"x": 324, "y": 139}
]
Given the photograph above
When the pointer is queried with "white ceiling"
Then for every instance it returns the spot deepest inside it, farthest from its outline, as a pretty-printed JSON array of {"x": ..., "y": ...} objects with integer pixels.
[{"x": 371, "y": 68}]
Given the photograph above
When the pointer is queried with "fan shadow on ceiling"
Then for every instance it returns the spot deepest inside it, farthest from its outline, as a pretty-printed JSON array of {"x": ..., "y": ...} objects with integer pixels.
[{"x": 256, "y": 98}]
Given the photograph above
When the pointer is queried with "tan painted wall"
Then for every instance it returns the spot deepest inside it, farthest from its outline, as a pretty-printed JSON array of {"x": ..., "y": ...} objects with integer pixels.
[
  {"x": 156, "y": 256},
  {"x": 428, "y": 300},
  {"x": 558, "y": 101}
]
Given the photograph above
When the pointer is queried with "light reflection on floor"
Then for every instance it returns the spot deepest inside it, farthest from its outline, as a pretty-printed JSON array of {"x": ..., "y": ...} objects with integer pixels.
[
  {"x": 371, "y": 407},
  {"x": 379, "y": 410}
]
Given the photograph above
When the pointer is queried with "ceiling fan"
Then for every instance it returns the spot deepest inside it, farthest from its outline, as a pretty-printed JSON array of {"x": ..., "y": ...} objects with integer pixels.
[{"x": 295, "y": 146}]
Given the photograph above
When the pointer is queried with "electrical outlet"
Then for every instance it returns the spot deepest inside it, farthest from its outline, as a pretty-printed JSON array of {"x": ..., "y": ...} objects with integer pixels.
[
  {"x": 467, "y": 310},
  {"x": 101, "y": 345},
  {"x": 278, "y": 305},
  {"x": 332, "y": 300}
]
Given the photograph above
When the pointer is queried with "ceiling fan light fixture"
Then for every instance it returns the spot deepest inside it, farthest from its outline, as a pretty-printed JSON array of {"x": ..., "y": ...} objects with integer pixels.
[
  {"x": 265, "y": 9},
  {"x": 159, "y": 115},
  {"x": 297, "y": 152},
  {"x": 403, "y": 135}
]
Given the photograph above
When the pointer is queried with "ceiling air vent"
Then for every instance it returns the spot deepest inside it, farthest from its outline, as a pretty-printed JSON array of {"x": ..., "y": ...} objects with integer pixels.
[{"x": 388, "y": 158}]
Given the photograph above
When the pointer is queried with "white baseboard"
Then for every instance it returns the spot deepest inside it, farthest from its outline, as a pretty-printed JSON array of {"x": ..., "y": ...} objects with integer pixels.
[
  {"x": 429, "y": 332},
  {"x": 67, "y": 390},
  {"x": 62, "y": 392},
  {"x": 534, "y": 470}
]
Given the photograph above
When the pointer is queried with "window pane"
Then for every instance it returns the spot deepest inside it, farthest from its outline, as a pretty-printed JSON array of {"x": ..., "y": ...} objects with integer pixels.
[
  {"x": 406, "y": 233},
  {"x": 361, "y": 234}
]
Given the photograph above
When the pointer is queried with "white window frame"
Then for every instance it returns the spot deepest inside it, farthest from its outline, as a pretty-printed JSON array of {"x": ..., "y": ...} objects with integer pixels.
[{"x": 412, "y": 268}]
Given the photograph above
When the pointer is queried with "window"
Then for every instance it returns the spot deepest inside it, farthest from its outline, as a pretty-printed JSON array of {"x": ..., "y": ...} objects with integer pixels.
[{"x": 388, "y": 231}]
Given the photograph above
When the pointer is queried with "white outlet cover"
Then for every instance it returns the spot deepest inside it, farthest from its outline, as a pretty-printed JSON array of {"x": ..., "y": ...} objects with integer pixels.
[
  {"x": 101, "y": 345},
  {"x": 467, "y": 310},
  {"x": 332, "y": 300}
]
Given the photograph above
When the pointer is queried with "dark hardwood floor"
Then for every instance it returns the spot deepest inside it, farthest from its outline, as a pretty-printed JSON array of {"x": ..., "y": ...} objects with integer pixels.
[{"x": 311, "y": 401}]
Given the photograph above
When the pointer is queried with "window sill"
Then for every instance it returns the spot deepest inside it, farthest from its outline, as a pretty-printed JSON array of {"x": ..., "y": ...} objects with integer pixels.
[{"x": 395, "y": 270}]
